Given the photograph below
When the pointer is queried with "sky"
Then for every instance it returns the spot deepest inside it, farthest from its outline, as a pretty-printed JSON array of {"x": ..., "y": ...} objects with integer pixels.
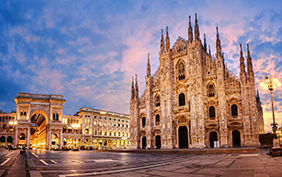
[{"x": 88, "y": 51}]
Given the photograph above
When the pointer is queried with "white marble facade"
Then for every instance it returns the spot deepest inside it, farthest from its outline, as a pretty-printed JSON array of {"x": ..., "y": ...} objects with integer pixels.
[{"x": 193, "y": 100}]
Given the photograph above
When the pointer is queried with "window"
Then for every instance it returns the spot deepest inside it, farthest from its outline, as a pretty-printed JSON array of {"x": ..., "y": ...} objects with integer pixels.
[
  {"x": 211, "y": 91},
  {"x": 212, "y": 112},
  {"x": 157, "y": 119},
  {"x": 234, "y": 110},
  {"x": 55, "y": 117},
  {"x": 181, "y": 71},
  {"x": 100, "y": 132},
  {"x": 158, "y": 101},
  {"x": 143, "y": 122},
  {"x": 181, "y": 99},
  {"x": 126, "y": 126}
]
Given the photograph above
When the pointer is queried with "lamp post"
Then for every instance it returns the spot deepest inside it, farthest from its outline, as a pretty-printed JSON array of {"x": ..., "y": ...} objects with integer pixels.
[
  {"x": 271, "y": 84},
  {"x": 75, "y": 126},
  {"x": 13, "y": 123}
]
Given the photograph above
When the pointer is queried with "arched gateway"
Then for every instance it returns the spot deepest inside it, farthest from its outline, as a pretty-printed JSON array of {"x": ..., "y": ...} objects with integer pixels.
[{"x": 39, "y": 116}]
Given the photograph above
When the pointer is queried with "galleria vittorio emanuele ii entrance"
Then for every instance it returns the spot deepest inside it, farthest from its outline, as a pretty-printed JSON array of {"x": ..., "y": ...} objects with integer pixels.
[{"x": 39, "y": 123}]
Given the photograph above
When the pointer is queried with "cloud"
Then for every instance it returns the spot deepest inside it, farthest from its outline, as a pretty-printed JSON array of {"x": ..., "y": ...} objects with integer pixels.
[{"x": 89, "y": 51}]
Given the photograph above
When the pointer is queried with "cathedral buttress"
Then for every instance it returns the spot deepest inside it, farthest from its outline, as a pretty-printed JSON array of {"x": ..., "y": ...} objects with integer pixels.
[
  {"x": 221, "y": 93},
  {"x": 190, "y": 31},
  {"x": 149, "y": 107},
  {"x": 162, "y": 47},
  {"x": 196, "y": 30},
  {"x": 254, "y": 119}
]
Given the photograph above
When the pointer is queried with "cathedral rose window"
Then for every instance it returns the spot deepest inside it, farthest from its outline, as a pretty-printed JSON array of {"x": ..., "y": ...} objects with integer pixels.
[{"x": 181, "y": 71}]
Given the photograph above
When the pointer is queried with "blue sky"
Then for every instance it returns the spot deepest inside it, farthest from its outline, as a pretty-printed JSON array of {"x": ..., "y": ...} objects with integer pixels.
[{"x": 89, "y": 50}]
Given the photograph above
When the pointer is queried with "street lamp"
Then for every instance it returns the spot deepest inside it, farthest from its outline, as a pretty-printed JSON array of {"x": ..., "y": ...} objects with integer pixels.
[
  {"x": 271, "y": 85},
  {"x": 75, "y": 126},
  {"x": 13, "y": 123}
]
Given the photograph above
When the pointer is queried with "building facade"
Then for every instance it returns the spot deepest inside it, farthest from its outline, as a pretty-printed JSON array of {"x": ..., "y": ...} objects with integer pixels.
[
  {"x": 38, "y": 122},
  {"x": 193, "y": 100}
]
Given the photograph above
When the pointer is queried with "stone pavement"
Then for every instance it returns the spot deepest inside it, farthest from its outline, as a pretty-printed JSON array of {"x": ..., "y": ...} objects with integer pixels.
[
  {"x": 242, "y": 165},
  {"x": 96, "y": 163}
]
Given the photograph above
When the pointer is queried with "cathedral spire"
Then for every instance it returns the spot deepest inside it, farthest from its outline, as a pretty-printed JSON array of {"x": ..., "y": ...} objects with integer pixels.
[
  {"x": 132, "y": 88},
  {"x": 190, "y": 31},
  {"x": 136, "y": 88},
  {"x": 205, "y": 43},
  {"x": 218, "y": 45},
  {"x": 162, "y": 42},
  {"x": 242, "y": 65},
  {"x": 249, "y": 63},
  {"x": 148, "y": 66},
  {"x": 167, "y": 43},
  {"x": 196, "y": 29}
]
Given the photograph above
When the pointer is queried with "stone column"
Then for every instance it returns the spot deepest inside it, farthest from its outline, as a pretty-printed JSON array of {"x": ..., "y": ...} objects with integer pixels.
[
  {"x": 15, "y": 138},
  {"x": 28, "y": 138},
  {"x": 61, "y": 139},
  {"x": 49, "y": 138}
]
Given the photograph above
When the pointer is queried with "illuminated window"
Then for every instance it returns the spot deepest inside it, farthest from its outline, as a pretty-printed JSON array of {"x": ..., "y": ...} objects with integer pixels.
[{"x": 181, "y": 71}]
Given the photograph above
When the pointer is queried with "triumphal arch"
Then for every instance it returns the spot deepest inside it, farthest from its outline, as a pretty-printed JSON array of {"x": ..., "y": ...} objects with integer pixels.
[{"x": 39, "y": 117}]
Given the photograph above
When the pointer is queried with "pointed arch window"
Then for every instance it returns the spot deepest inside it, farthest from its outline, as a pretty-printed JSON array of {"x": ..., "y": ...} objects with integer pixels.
[
  {"x": 158, "y": 101},
  {"x": 234, "y": 110},
  {"x": 181, "y": 99},
  {"x": 181, "y": 71},
  {"x": 212, "y": 112},
  {"x": 157, "y": 119},
  {"x": 143, "y": 122},
  {"x": 211, "y": 91}
]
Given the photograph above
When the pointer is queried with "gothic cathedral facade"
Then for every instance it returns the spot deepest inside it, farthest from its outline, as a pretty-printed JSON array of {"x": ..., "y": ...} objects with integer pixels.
[{"x": 194, "y": 101}]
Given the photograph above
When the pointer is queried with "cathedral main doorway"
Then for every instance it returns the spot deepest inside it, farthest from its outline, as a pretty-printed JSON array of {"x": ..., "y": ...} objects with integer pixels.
[
  {"x": 213, "y": 138},
  {"x": 144, "y": 142},
  {"x": 183, "y": 137},
  {"x": 236, "y": 138},
  {"x": 158, "y": 142}
]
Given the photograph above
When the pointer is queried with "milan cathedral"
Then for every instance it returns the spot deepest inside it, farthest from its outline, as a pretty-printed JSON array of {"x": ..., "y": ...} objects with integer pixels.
[{"x": 194, "y": 101}]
